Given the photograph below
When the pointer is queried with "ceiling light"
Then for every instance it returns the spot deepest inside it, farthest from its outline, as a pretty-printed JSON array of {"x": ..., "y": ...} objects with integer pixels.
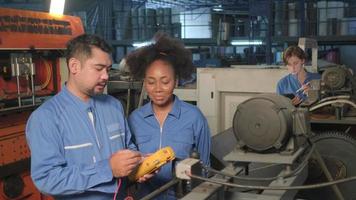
[
  {"x": 141, "y": 44},
  {"x": 218, "y": 8},
  {"x": 246, "y": 42},
  {"x": 57, "y": 7}
]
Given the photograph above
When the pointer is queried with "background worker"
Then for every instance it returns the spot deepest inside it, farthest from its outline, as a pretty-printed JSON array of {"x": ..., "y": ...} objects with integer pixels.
[{"x": 296, "y": 83}]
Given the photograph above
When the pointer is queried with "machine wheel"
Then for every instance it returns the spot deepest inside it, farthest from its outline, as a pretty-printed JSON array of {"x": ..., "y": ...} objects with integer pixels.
[
  {"x": 339, "y": 153},
  {"x": 13, "y": 186}
]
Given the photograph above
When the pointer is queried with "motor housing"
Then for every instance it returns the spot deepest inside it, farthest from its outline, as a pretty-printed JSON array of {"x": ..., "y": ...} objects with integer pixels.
[{"x": 268, "y": 123}]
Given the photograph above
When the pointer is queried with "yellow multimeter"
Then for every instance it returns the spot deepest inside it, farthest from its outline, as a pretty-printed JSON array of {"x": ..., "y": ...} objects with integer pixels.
[{"x": 152, "y": 163}]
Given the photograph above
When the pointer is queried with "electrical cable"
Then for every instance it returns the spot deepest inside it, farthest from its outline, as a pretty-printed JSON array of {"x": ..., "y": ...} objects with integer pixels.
[
  {"x": 293, "y": 172},
  {"x": 118, "y": 188},
  {"x": 303, "y": 187},
  {"x": 264, "y": 167}
]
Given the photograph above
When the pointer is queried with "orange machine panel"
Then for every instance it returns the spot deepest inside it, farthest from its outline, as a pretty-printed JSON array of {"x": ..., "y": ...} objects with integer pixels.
[
  {"x": 47, "y": 79},
  {"x": 22, "y": 29},
  {"x": 15, "y": 180},
  {"x": 20, "y": 187},
  {"x": 13, "y": 146},
  {"x": 36, "y": 36}
]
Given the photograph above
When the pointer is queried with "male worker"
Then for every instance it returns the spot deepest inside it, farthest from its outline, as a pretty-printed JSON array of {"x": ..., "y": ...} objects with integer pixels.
[{"x": 79, "y": 139}]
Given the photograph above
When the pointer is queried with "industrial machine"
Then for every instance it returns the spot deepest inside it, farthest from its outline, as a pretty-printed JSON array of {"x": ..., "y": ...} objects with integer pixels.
[
  {"x": 270, "y": 132},
  {"x": 333, "y": 118},
  {"x": 266, "y": 155},
  {"x": 31, "y": 51},
  {"x": 331, "y": 105}
]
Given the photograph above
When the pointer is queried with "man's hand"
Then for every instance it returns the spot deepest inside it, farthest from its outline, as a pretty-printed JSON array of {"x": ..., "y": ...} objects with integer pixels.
[{"x": 123, "y": 162}]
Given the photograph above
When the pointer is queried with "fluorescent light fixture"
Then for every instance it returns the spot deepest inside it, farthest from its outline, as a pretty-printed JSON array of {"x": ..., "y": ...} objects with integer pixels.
[
  {"x": 57, "y": 7},
  {"x": 246, "y": 42},
  {"x": 218, "y": 8},
  {"x": 142, "y": 44}
]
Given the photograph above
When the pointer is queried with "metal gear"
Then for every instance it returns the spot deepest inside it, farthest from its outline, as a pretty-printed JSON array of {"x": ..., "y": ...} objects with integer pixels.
[{"x": 339, "y": 153}]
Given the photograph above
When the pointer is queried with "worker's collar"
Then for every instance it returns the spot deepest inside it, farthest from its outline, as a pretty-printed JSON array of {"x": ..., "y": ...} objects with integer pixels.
[
  {"x": 82, "y": 105},
  {"x": 175, "y": 111},
  {"x": 307, "y": 77}
]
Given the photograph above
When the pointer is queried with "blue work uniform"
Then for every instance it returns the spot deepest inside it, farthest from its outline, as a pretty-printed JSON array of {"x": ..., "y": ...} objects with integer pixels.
[
  {"x": 290, "y": 84},
  {"x": 70, "y": 152},
  {"x": 184, "y": 129}
]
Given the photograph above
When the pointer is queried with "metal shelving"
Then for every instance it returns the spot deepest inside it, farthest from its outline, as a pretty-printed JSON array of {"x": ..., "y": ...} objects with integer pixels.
[{"x": 277, "y": 23}]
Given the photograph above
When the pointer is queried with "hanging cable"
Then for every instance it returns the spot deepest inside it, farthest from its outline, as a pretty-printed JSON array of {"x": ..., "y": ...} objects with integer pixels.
[
  {"x": 293, "y": 172},
  {"x": 118, "y": 188},
  {"x": 264, "y": 167},
  {"x": 303, "y": 187}
]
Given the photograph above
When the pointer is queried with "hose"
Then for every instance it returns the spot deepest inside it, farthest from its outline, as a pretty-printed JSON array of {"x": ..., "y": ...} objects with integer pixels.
[{"x": 332, "y": 102}]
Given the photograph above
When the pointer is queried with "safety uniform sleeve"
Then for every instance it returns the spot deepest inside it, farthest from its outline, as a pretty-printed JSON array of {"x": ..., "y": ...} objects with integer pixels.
[
  {"x": 129, "y": 139},
  {"x": 202, "y": 138},
  {"x": 128, "y": 136},
  {"x": 279, "y": 89},
  {"x": 49, "y": 169}
]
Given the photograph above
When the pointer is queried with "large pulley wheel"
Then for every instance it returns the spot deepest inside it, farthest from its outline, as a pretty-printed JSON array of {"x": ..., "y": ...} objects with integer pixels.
[
  {"x": 334, "y": 78},
  {"x": 339, "y": 153},
  {"x": 263, "y": 122}
]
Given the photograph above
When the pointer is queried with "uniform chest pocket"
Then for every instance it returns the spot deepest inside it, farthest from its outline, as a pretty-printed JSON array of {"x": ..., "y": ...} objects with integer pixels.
[
  {"x": 116, "y": 137},
  {"x": 144, "y": 143},
  {"x": 185, "y": 137},
  {"x": 182, "y": 143},
  {"x": 142, "y": 139},
  {"x": 80, "y": 153}
]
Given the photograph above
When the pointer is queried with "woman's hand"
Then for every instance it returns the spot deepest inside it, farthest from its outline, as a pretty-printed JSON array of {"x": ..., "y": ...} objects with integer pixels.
[
  {"x": 146, "y": 176},
  {"x": 306, "y": 88},
  {"x": 296, "y": 101}
]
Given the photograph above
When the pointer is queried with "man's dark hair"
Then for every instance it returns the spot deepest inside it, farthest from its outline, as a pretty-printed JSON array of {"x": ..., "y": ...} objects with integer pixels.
[
  {"x": 81, "y": 45},
  {"x": 165, "y": 48}
]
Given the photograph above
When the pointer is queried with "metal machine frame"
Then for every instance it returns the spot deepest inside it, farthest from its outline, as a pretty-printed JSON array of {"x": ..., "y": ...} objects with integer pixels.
[{"x": 30, "y": 60}]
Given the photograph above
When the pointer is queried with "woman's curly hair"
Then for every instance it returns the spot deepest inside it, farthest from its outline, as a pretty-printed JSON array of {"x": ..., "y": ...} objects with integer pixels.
[{"x": 164, "y": 48}]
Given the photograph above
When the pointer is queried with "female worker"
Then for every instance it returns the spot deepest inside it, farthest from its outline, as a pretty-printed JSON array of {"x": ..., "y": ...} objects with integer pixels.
[
  {"x": 296, "y": 83},
  {"x": 166, "y": 120}
]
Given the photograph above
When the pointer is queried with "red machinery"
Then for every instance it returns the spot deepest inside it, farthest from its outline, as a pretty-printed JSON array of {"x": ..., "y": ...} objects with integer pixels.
[{"x": 31, "y": 47}]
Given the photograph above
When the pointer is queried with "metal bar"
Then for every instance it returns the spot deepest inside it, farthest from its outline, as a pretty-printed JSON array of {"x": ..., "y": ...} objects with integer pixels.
[
  {"x": 128, "y": 103},
  {"x": 161, "y": 189},
  {"x": 33, "y": 90},
  {"x": 18, "y": 90},
  {"x": 32, "y": 76},
  {"x": 142, "y": 95},
  {"x": 207, "y": 190},
  {"x": 18, "y": 108},
  {"x": 322, "y": 164},
  {"x": 269, "y": 34}
]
